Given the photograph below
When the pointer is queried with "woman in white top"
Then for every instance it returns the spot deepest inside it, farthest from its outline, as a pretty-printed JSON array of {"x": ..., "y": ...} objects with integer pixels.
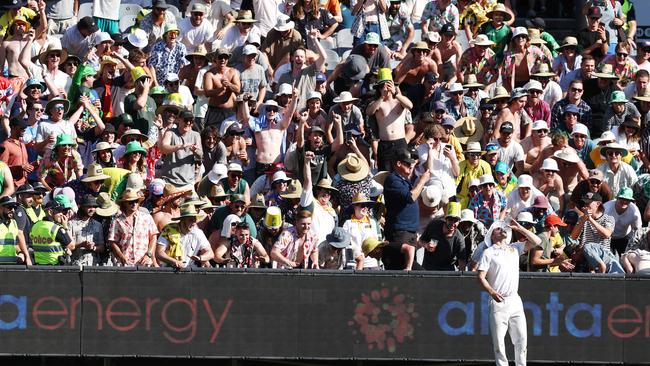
[
  {"x": 360, "y": 227},
  {"x": 628, "y": 134},
  {"x": 445, "y": 166}
]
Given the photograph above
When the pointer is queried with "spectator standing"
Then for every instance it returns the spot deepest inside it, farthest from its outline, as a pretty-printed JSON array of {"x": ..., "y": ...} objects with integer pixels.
[
  {"x": 627, "y": 218},
  {"x": 182, "y": 244},
  {"x": 168, "y": 54},
  {"x": 444, "y": 245},
  {"x": 297, "y": 247},
  {"x": 157, "y": 21}
]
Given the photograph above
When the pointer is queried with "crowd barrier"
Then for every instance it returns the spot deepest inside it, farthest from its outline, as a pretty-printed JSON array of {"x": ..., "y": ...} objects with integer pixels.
[{"x": 313, "y": 315}]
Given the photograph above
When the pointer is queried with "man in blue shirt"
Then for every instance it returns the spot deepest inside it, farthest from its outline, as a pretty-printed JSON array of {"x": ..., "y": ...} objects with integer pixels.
[{"x": 402, "y": 211}]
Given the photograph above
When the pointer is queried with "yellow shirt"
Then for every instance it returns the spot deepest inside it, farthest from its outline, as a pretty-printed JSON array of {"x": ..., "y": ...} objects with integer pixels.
[
  {"x": 7, "y": 19},
  {"x": 597, "y": 159},
  {"x": 468, "y": 173}
]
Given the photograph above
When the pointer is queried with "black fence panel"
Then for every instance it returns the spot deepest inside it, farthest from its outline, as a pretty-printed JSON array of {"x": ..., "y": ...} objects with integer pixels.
[{"x": 313, "y": 315}]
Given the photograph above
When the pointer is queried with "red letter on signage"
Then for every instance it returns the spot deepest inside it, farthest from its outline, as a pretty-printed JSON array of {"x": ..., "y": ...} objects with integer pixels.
[
  {"x": 134, "y": 313},
  {"x": 191, "y": 325},
  {"x": 611, "y": 321},
  {"x": 58, "y": 310}
]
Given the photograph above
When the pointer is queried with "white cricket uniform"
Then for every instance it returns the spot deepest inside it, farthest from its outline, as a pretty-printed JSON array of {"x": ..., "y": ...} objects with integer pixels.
[{"x": 501, "y": 265}]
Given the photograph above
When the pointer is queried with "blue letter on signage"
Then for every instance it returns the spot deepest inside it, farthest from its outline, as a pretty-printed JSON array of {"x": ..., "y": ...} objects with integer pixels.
[
  {"x": 20, "y": 321},
  {"x": 467, "y": 328},
  {"x": 554, "y": 306},
  {"x": 596, "y": 315}
]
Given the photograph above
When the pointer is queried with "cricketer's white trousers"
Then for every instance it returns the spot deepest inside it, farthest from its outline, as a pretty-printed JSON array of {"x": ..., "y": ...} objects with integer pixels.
[{"x": 508, "y": 316}]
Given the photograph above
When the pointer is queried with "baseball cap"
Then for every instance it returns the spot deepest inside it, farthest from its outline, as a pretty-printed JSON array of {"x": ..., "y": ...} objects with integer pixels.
[
  {"x": 594, "y": 12},
  {"x": 554, "y": 220},
  {"x": 88, "y": 23},
  {"x": 571, "y": 108},
  {"x": 405, "y": 156},
  {"x": 591, "y": 197},
  {"x": 507, "y": 127},
  {"x": 439, "y": 106},
  {"x": 448, "y": 121},
  {"x": 596, "y": 174},
  {"x": 320, "y": 77}
]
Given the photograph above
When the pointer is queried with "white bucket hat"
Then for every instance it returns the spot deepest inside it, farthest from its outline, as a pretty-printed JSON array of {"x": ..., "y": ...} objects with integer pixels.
[
  {"x": 581, "y": 129},
  {"x": 431, "y": 196},
  {"x": 485, "y": 179},
  {"x": 525, "y": 217},
  {"x": 467, "y": 215},
  {"x": 525, "y": 181},
  {"x": 533, "y": 85},
  {"x": 540, "y": 125},
  {"x": 455, "y": 87},
  {"x": 550, "y": 164}
]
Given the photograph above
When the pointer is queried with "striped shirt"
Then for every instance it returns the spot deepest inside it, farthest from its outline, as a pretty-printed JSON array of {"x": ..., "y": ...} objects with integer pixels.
[{"x": 591, "y": 235}]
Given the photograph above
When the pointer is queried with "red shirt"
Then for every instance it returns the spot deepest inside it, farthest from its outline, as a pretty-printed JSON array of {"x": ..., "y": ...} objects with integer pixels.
[{"x": 15, "y": 156}]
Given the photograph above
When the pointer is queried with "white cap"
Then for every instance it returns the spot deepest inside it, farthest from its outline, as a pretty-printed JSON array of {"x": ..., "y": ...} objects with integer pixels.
[
  {"x": 550, "y": 164},
  {"x": 467, "y": 215},
  {"x": 606, "y": 136},
  {"x": 249, "y": 49},
  {"x": 102, "y": 37},
  {"x": 314, "y": 95},
  {"x": 525, "y": 181},
  {"x": 474, "y": 183},
  {"x": 284, "y": 89},
  {"x": 525, "y": 217},
  {"x": 138, "y": 38},
  {"x": 540, "y": 125},
  {"x": 280, "y": 175},
  {"x": 533, "y": 85},
  {"x": 217, "y": 173},
  {"x": 581, "y": 129},
  {"x": 171, "y": 77},
  {"x": 520, "y": 31},
  {"x": 234, "y": 167},
  {"x": 486, "y": 178},
  {"x": 254, "y": 37},
  {"x": 455, "y": 87}
]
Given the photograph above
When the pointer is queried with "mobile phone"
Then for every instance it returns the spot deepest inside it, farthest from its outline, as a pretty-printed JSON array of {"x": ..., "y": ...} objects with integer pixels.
[{"x": 448, "y": 146}]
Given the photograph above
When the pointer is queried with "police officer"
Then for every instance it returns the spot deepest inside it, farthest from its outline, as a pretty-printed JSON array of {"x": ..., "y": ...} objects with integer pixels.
[
  {"x": 49, "y": 236},
  {"x": 36, "y": 212},
  {"x": 13, "y": 249},
  {"x": 24, "y": 198}
]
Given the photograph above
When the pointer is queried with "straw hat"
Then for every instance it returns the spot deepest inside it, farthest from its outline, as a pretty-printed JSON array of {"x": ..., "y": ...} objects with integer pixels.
[
  {"x": 345, "y": 96},
  {"x": 131, "y": 195},
  {"x": 106, "y": 207},
  {"x": 606, "y": 72},
  {"x": 499, "y": 8},
  {"x": 500, "y": 94},
  {"x": 101, "y": 146},
  {"x": 198, "y": 51},
  {"x": 420, "y": 46},
  {"x": 326, "y": 184},
  {"x": 352, "y": 168},
  {"x": 481, "y": 40},
  {"x": 473, "y": 147},
  {"x": 360, "y": 198},
  {"x": 543, "y": 71},
  {"x": 468, "y": 129},
  {"x": 370, "y": 244},
  {"x": 245, "y": 16},
  {"x": 535, "y": 37},
  {"x": 132, "y": 132},
  {"x": 217, "y": 191},
  {"x": 187, "y": 211},
  {"x": 53, "y": 47},
  {"x": 171, "y": 192},
  {"x": 258, "y": 202},
  {"x": 95, "y": 173},
  {"x": 567, "y": 155},
  {"x": 472, "y": 82},
  {"x": 569, "y": 41},
  {"x": 294, "y": 190},
  {"x": 644, "y": 97}
]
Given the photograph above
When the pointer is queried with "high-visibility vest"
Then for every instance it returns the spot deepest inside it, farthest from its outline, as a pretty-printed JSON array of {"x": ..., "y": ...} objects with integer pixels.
[
  {"x": 46, "y": 249},
  {"x": 33, "y": 216},
  {"x": 8, "y": 234}
]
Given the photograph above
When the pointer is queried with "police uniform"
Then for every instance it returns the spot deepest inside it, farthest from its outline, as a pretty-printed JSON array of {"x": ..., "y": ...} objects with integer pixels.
[
  {"x": 49, "y": 240},
  {"x": 8, "y": 234}
]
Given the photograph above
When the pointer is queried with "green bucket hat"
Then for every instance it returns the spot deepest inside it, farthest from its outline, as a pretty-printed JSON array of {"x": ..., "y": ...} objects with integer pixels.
[
  {"x": 64, "y": 139},
  {"x": 626, "y": 194},
  {"x": 158, "y": 90},
  {"x": 617, "y": 97},
  {"x": 134, "y": 146},
  {"x": 64, "y": 201}
]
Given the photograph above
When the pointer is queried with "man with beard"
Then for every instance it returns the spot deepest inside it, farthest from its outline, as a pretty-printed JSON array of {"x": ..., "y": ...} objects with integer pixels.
[
  {"x": 242, "y": 250},
  {"x": 169, "y": 204},
  {"x": 498, "y": 274},
  {"x": 15, "y": 152},
  {"x": 50, "y": 239},
  {"x": 182, "y": 244},
  {"x": 444, "y": 245},
  {"x": 13, "y": 249}
]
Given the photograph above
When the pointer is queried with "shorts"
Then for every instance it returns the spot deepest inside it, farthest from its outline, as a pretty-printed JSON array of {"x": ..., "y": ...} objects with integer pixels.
[
  {"x": 402, "y": 237},
  {"x": 386, "y": 153},
  {"x": 215, "y": 115}
]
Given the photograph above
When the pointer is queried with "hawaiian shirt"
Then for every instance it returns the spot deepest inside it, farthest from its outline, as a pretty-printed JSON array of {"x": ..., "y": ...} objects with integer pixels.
[
  {"x": 626, "y": 71},
  {"x": 157, "y": 31},
  {"x": 486, "y": 211},
  {"x": 469, "y": 108},
  {"x": 133, "y": 240},
  {"x": 58, "y": 173},
  {"x": 398, "y": 26},
  {"x": 475, "y": 15},
  {"x": 483, "y": 66},
  {"x": 289, "y": 243},
  {"x": 164, "y": 60},
  {"x": 437, "y": 18}
]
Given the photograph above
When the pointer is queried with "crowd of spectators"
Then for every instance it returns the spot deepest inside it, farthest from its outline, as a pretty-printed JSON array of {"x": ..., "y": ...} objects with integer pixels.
[{"x": 371, "y": 134}]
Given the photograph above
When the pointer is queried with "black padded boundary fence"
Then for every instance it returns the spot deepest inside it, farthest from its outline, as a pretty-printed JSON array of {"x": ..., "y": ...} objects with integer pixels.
[{"x": 312, "y": 315}]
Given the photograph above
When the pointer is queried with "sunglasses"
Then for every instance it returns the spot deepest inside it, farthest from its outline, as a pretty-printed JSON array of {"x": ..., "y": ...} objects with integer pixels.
[
  {"x": 54, "y": 54},
  {"x": 39, "y": 110},
  {"x": 613, "y": 153},
  {"x": 239, "y": 206},
  {"x": 576, "y": 90},
  {"x": 473, "y": 155},
  {"x": 594, "y": 182},
  {"x": 59, "y": 107},
  {"x": 71, "y": 63},
  {"x": 268, "y": 110},
  {"x": 223, "y": 57},
  {"x": 235, "y": 175},
  {"x": 542, "y": 132},
  {"x": 473, "y": 189},
  {"x": 621, "y": 54}
]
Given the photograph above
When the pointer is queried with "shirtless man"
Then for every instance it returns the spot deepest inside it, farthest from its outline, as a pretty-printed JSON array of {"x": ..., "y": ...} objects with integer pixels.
[
  {"x": 170, "y": 206},
  {"x": 11, "y": 47},
  {"x": 571, "y": 167},
  {"x": 410, "y": 72},
  {"x": 516, "y": 114},
  {"x": 269, "y": 131},
  {"x": 450, "y": 52},
  {"x": 221, "y": 84},
  {"x": 390, "y": 112},
  {"x": 535, "y": 143}
]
